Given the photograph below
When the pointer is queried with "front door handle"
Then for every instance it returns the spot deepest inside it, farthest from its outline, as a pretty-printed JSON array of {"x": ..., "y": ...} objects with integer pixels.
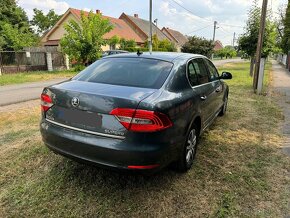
[
  {"x": 218, "y": 89},
  {"x": 203, "y": 97}
]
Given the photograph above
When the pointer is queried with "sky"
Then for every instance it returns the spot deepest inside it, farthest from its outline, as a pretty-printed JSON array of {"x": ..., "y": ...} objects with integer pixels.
[{"x": 190, "y": 17}]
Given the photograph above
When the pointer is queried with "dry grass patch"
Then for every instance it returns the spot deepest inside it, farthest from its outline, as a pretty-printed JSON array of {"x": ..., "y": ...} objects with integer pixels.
[{"x": 239, "y": 171}]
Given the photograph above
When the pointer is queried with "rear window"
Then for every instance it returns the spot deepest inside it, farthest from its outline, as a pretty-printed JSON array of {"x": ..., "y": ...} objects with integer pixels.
[{"x": 136, "y": 72}]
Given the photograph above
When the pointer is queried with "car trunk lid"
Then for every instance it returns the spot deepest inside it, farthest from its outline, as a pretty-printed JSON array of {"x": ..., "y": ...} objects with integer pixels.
[{"x": 87, "y": 106}]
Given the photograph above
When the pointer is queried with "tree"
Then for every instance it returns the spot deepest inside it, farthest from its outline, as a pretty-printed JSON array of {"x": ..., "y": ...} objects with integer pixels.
[
  {"x": 16, "y": 37},
  {"x": 280, "y": 22},
  {"x": 220, "y": 53},
  {"x": 161, "y": 45},
  {"x": 198, "y": 45},
  {"x": 249, "y": 40},
  {"x": 113, "y": 41},
  {"x": 83, "y": 40},
  {"x": 228, "y": 52},
  {"x": 15, "y": 31},
  {"x": 44, "y": 22},
  {"x": 286, "y": 33},
  {"x": 167, "y": 45},
  {"x": 127, "y": 43}
]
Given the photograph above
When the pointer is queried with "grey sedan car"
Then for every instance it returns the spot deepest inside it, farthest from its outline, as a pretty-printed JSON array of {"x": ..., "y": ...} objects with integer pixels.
[{"x": 137, "y": 112}]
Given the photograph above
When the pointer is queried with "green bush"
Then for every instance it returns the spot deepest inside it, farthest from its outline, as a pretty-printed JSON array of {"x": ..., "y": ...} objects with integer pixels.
[
  {"x": 78, "y": 67},
  {"x": 134, "y": 49}
]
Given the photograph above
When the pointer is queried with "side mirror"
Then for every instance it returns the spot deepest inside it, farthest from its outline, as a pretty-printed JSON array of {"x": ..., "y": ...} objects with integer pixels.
[{"x": 226, "y": 75}]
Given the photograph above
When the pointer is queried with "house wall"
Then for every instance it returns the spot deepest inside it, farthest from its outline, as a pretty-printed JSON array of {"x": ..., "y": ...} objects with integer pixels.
[{"x": 60, "y": 31}]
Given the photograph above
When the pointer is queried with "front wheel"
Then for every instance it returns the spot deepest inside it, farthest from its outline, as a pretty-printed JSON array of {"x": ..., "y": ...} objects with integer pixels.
[{"x": 189, "y": 151}]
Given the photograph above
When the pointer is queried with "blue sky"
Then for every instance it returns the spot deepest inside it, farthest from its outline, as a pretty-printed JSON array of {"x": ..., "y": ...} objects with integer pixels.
[{"x": 230, "y": 14}]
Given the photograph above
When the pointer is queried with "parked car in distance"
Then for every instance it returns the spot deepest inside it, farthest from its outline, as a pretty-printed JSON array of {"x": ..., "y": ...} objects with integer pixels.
[
  {"x": 135, "y": 111},
  {"x": 113, "y": 52}
]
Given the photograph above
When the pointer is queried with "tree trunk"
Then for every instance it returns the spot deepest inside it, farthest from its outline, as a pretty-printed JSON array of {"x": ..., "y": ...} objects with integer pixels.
[{"x": 252, "y": 66}]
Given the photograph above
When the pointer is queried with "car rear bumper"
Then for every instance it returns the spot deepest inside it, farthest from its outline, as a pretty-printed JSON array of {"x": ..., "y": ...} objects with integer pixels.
[{"x": 105, "y": 151}]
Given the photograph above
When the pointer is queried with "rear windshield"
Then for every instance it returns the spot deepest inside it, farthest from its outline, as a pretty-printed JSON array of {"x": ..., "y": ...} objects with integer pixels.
[{"x": 136, "y": 72}]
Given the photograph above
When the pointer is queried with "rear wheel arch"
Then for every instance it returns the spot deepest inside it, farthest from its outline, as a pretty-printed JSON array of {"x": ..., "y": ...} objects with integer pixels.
[
  {"x": 183, "y": 164},
  {"x": 197, "y": 122}
]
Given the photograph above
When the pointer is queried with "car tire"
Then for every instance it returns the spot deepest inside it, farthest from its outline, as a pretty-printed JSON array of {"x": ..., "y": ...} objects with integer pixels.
[
  {"x": 189, "y": 151},
  {"x": 225, "y": 106}
]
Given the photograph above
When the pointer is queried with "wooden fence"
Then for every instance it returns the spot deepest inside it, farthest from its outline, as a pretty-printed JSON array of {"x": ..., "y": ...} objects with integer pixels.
[{"x": 13, "y": 62}]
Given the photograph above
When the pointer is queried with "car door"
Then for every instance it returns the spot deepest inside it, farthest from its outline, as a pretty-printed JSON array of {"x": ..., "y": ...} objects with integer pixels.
[
  {"x": 216, "y": 83},
  {"x": 199, "y": 79}
]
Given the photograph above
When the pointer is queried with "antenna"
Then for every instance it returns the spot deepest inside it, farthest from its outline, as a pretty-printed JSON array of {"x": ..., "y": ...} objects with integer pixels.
[{"x": 139, "y": 52}]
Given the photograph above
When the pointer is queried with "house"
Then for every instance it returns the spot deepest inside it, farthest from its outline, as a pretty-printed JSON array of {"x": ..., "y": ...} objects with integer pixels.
[
  {"x": 176, "y": 37},
  {"x": 121, "y": 29},
  {"x": 142, "y": 27},
  {"x": 218, "y": 45}
]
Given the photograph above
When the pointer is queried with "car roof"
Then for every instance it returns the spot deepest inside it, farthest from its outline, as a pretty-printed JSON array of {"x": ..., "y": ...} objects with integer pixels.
[
  {"x": 116, "y": 51},
  {"x": 165, "y": 56}
]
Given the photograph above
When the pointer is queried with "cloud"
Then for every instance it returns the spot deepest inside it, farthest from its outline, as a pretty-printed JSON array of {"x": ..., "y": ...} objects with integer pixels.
[
  {"x": 45, "y": 5},
  {"x": 204, "y": 13}
]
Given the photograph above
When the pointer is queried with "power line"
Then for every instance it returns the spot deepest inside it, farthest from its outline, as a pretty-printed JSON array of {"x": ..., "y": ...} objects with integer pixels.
[
  {"x": 189, "y": 11},
  {"x": 199, "y": 29},
  {"x": 205, "y": 19},
  {"x": 225, "y": 24},
  {"x": 224, "y": 30}
]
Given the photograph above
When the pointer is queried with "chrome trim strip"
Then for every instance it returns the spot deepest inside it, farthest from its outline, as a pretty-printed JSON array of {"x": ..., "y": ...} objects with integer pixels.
[{"x": 85, "y": 131}]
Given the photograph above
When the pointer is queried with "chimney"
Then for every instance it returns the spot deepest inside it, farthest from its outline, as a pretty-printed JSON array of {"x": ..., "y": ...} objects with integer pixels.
[
  {"x": 136, "y": 15},
  {"x": 98, "y": 11}
]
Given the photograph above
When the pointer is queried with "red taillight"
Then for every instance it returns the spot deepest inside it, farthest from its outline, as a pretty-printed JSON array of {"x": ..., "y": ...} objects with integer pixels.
[
  {"x": 46, "y": 102},
  {"x": 141, "y": 120},
  {"x": 146, "y": 167}
]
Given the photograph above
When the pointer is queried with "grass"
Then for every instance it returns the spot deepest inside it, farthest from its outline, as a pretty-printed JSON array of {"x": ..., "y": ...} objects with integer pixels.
[
  {"x": 17, "y": 78},
  {"x": 239, "y": 171}
]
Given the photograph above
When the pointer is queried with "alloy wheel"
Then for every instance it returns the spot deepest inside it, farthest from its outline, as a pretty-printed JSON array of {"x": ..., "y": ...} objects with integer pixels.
[{"x": 191, "y": 147}]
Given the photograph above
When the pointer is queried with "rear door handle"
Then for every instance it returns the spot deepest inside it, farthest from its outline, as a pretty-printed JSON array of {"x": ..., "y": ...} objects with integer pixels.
[{"x": 203, "y": 97}]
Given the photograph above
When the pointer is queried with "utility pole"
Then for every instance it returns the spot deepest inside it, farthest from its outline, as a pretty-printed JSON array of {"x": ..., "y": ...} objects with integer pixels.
[
  {"x": 150, "y": 31},
  {"x": 234, "y": 39},
  {"x": 213, "y": 38},
  {"x": 260, "y": 43},
  {"x": 214, "y": 29}
]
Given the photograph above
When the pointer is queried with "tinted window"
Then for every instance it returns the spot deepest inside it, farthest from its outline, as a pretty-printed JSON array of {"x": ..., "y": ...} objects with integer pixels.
[
  {"x": 212, "y": 70},
  {"x": 201, "y": 71},
  {"x": 192, "y": 76},
  {"x": 136, "y": 72}
]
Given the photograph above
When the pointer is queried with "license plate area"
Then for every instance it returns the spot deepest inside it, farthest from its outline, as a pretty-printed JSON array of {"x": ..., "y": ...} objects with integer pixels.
[{"x": 77, "y": 118}]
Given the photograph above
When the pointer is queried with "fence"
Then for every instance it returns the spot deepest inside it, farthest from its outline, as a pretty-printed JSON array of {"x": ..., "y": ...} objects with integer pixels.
[
  {"x": 282, "y": 58},
  {"x": 13, "y": 62}
]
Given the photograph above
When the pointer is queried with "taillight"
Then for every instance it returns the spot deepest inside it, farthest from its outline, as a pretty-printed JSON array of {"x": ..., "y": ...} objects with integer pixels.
[
  {"x": 46, "y": 102},
  {"x": 141, "y": 120}
]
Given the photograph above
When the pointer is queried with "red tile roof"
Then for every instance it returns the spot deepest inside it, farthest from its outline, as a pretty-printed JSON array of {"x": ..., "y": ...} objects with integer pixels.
[
  {"x": 218, "y": 45},
  {"x": 178, "y": 36},
  {"x": 121, "y": 28},
  {"x": 144, "y": 25}
]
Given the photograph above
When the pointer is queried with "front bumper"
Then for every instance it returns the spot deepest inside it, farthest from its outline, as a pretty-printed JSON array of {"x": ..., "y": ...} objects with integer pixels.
[{"x": 105, "y": 151}]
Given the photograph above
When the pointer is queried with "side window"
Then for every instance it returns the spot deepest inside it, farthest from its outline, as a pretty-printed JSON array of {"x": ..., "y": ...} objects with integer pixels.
[
  {"x": 201, "y": 71},
  {"x": 212, "y": 70},
  {"x": 192, "y": 76}
]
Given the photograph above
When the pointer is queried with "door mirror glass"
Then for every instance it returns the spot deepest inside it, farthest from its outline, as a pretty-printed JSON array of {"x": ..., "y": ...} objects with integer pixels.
[{"x": 226, "y": 75}]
